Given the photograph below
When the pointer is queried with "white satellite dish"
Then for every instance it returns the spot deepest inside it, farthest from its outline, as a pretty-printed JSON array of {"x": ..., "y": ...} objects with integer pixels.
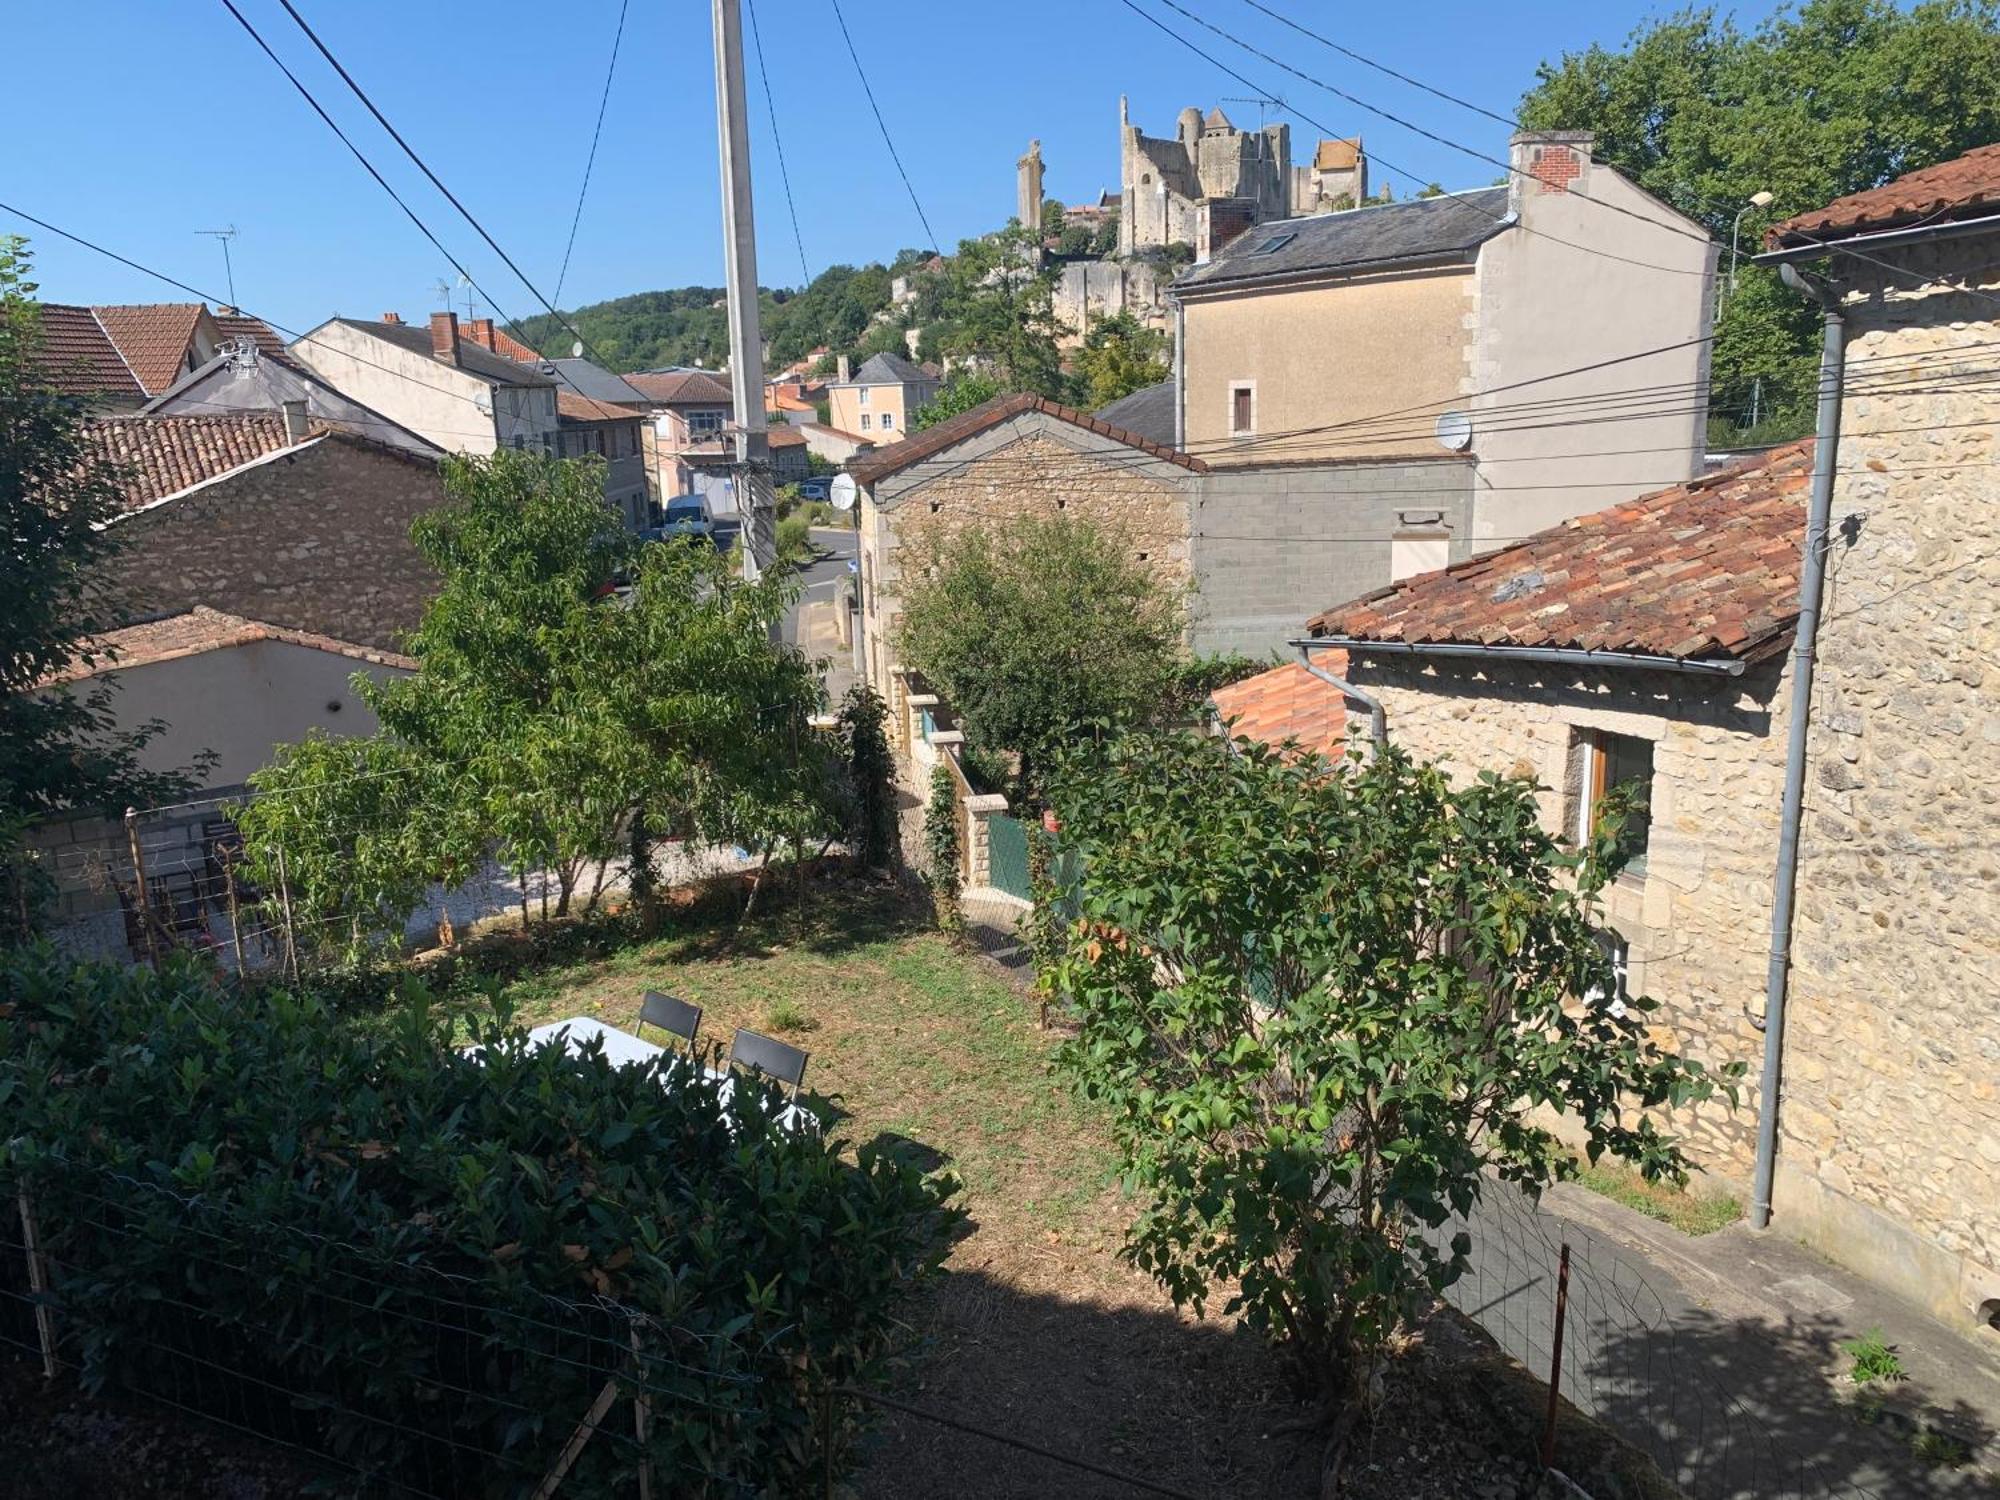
[
  {"x": 843, "y": 491},
  {"x": 576, "y": 348},
  {"x": 1454, "y": 431}
]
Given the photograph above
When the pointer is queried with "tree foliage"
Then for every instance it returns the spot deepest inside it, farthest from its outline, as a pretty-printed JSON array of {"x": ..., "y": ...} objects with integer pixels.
[
  {"x": 994, "y": 307},
  {"x": 546, "y": 713},
  {"x": 1119, "y": 356},
  {"x": 61, "y": 748},
  {"x": 960, "y": 393},
  {"x": 1833, "y": 97},
  {"x": 1319, "y": 1004},
  {"x": 1039, "y": 631},
  {"x": 871, "y": 777}
]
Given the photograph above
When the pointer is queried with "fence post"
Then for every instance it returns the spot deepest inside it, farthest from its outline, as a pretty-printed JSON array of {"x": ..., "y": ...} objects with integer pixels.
[
  {"x": 1556, "y": 1360},
  {"x": 139, "y": 881},
  {"x": 235, "y": 914},
  {"x": 38, "y": 1284},
  {"x": 285, "y": 901},
  {"x": 642, "y": 1415}
]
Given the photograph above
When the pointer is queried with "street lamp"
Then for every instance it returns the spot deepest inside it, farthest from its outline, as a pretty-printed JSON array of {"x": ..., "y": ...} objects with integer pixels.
[{"x": 1759, "y": 199}]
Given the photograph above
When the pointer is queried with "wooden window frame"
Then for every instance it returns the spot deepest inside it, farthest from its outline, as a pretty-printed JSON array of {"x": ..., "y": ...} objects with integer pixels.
[{"x": 1241, "y": 388}]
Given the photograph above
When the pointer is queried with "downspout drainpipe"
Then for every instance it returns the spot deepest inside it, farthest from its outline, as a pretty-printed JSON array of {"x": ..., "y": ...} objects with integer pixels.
[
  {"x": 1784, "y": 885},
  {"x": 1378, "y": 716},
  {"x": 1180, "y": 375}
]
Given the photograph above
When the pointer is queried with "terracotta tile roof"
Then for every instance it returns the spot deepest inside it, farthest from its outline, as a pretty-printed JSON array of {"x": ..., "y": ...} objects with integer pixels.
[
  {"x": 481, "y": 331},
  {"x": 1337, "y": 155},
  {"x": 154, "y": 338},
  {"x": 78, "y": 356},
  {"x": 240, "y": 325},
  {"x": 1706, "y": 570},
  {"x": 1288, "y": 703},
  {"x": 885, "y": 461},
  {"x": 837, "y": 432},
  {"x": 681, "y": 387},
  {"x": 1964, "y": 187},
  {"x": 784, "y": 436},
  {"x": 571, "y": 407},
  {"x": 161, "y": 456},
  {"x": 203, "y": 629}
]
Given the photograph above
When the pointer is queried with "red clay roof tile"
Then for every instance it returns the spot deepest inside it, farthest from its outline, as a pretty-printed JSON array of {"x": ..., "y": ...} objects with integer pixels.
[
  {"x": 161, "y": 456},
  {"x": 1965, "y": 186},
  {"x": 1288, "y": 703},
  {"x": 78, "y": 356},
  {"x": 203, "y": 629},
  {"x": 154, "y": 338},
  {"x": 893, "y": 458}
]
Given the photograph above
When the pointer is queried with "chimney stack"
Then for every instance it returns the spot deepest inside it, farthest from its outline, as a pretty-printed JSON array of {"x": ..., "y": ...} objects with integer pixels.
[
  {"x": 480, "y": 331},
  {"x": 444, "y": 336},
  {"x": 295, "y": 422},
  {"x": 1544, "y": 162},
  {"x": 392, "y": 318},
  {"x": 841, "y": 370}
]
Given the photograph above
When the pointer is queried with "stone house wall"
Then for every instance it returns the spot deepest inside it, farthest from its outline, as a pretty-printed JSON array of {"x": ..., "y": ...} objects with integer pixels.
[
  {"x": 1697, "y": 920},
  {"x": 318, "y": 541},
  {"x": 1890, "y": 1132},
  {"x": 1032, "y": 465}
]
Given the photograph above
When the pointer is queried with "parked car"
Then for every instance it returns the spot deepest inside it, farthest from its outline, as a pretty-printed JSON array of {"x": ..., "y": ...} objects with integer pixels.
[
  {"x": 819, "y": 487},
  {"x": 686, "y": 516}
]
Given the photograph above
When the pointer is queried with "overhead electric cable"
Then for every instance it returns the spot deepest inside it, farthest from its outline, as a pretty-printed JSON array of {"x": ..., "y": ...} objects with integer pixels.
[
  {"x": 777, "y": 141},
  {"x": 882, "y": 125},
  {"x": 590, "y": 161}
]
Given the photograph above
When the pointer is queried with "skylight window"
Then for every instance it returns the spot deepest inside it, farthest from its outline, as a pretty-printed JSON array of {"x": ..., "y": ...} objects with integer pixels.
[{"x": 1274, "y": 243}]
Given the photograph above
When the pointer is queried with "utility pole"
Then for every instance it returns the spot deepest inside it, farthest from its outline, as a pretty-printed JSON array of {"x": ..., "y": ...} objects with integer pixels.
[{"x": 752, "y": 470}]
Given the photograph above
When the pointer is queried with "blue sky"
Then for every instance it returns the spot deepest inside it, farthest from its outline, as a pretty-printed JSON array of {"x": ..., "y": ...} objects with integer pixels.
[{"x": 140, "y": 122}]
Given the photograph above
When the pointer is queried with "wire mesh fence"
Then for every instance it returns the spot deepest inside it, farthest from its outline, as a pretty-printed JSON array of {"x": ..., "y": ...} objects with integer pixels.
[{"x": 404, "y": 1379}]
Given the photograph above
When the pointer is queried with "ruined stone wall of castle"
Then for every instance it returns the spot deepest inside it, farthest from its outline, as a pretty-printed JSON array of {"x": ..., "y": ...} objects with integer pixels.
[
  {"x": 1892, "y": 1084},
  {"x": 1696, "y": 919}
]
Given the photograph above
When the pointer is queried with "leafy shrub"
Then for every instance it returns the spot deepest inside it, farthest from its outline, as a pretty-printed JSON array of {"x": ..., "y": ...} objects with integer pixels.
[
  {"x": 871, "y": 830},
  {"x": 238, "y": 1179},
  {"x": 1874, "y": 1359},
  {"x": 795, "y": 535},
  {"x": 942, "y": 867}
]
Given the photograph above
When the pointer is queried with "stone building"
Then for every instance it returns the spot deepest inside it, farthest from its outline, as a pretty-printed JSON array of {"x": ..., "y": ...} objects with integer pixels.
[
  {"x": 1889, "y": 1131},
  {"x": 1335, "y": 179},
  {"x": 303, "y": 529},
  {"x": 1015, "y": 456},
  {"x": 1165, "y": 181},
  {"x": 1028, "y": 188}
]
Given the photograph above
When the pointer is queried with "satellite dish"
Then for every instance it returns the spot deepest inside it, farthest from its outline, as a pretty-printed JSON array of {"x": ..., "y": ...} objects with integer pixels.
[
  {"x": 1454, "y": 431},
  {"x": 576, "y": 349},
  {"x": 842, "y": 491}
]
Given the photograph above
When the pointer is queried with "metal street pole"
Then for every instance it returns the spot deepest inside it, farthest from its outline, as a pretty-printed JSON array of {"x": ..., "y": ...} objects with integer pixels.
[{"x": 754, "y": 497}]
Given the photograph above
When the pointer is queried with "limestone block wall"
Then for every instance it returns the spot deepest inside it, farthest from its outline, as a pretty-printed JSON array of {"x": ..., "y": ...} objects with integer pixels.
[
  {"x": 319, "y": 541},
  {"x": 1892, "y": 1088},
  {"x": 1697, "y": 921},
  {"x": 1034, "y": 465}
]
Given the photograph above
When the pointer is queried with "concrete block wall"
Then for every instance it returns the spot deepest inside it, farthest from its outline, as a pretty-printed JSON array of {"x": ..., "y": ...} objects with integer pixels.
[{"x": 1274, "y": 546}]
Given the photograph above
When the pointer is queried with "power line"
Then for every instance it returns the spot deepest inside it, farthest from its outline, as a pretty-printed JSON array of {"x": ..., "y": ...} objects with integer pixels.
[
  {"x": 777, "y": 141},
  {"x": 590, "y": 161},
  {"x": 882, "y": 125},
  {"x": 436, "y": 181},
  {"x": 1457, "y": 197},
  {"x": 1368, "y": 62}
]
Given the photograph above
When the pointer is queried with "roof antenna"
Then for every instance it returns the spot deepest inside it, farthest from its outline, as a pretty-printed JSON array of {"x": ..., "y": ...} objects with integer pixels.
[{"x": 229, "y": 271}]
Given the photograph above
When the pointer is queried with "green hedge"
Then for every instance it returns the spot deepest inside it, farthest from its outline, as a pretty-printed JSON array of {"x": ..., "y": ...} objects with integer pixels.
[{"x": 428, "y": 1263}]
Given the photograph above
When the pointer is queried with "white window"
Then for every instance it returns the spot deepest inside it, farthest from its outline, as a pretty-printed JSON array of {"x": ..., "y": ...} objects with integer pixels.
[
  {"x": 864, "y": 421},
  {"x": 1242, "y": 408},
  {"x": 861, "y": 395},
  {"x": 1599, "y": 764},
  {"x": 704, "y": 424},
  {"x": 888, "y": 420},
  {"x": 1413, "y": 552}
]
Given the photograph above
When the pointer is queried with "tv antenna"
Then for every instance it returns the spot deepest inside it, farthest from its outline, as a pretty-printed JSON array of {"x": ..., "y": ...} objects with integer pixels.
[
  {"x": 1262, "y": 101},
  {"x": 228, "y": 271}
]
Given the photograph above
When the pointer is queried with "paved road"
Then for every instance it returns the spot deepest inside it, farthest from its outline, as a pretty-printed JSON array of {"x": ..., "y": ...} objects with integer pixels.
[{"x": 836, "y": 547}]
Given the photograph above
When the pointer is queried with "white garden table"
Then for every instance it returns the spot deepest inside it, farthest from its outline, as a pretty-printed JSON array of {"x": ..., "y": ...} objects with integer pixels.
[{"x": 621, "y": 1047}]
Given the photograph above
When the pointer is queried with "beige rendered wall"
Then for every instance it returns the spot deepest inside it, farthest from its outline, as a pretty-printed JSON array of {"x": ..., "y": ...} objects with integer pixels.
[
  {"x": 1326, "y": 354},
  {"x": 1892, "y": 1075},
  {"x": 434, "y": 400},
  {"x": 1697, "y": 919},
  {"x": 846, "y": 408},
  {"x": 1579, "y": 283},
  {"x": 1034, "y": 465},
  {"x": 241, "y": 701}
]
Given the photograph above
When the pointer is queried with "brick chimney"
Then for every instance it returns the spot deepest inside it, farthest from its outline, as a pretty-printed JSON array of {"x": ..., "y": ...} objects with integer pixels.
[
  {"x": 444, "y": 336},
  {"x": 842, "y": 372},
  {"x": 480, "y": 331},
  {"x": 392, "y": 318},
  {"x": 1543, "y": 162}
]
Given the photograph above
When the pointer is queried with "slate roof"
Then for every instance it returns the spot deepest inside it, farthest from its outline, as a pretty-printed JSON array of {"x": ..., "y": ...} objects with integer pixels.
[
  {"x": 886, "y": 369},
  {"x": 161, "y": 456},
  {"x": 882, "y": 462},
  {"x": 1356, "y": 239},
  {"x": 1148, "y": 413},
  {"x": 199, "y": 630},
  {"x": 595, "y": 382},
  {"x": 154, "y": 338},
  {"x": 78, "y": 357},
  {"x": 681, "y": 388},
  {"x": 1288, "y": 703},
  {"x": 1707, "y": 570},
  {"x": 1967, "y": 186},
  {"x": 494, "y": 369}
]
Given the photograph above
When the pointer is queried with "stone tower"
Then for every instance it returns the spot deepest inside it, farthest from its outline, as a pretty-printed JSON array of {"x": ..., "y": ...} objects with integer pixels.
[{"x": 1028, "y": 187}]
